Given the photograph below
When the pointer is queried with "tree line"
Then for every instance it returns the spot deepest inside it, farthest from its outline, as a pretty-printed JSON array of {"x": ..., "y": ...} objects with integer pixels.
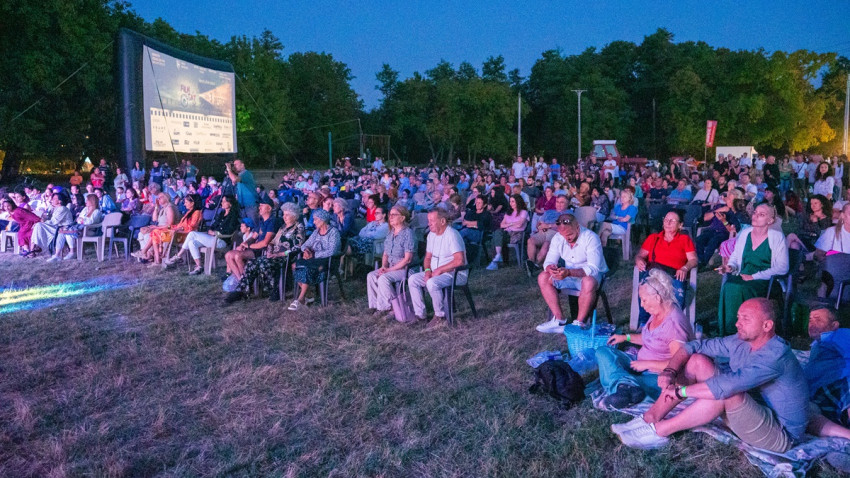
[{"x": 57, "y": 95}]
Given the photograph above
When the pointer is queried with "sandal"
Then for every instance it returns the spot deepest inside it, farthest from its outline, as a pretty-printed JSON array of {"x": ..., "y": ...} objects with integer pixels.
[{"x": 295, "y": 305}]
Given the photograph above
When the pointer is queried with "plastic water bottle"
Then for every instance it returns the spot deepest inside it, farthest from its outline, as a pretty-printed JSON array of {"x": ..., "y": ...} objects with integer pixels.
[{"x": 544, "y": 356}]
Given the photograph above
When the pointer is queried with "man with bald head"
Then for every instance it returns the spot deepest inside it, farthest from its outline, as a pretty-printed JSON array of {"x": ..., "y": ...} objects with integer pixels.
[
  {"x": 763, "y": 399},
  {"x": 584, "y": 265}
]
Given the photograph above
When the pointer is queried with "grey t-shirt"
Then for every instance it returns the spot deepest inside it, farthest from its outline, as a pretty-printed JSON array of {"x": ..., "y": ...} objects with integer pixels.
[{"x": 771, "y": 374}]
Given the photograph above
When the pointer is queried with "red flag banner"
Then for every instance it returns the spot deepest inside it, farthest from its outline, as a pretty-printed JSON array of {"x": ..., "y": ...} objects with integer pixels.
[{"x": 710, "y": 129}]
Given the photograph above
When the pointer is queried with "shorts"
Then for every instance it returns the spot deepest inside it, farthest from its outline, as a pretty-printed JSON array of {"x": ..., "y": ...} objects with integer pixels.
[
  {"x": 571, "y": 283},
  {"x": 757, "y": 425},
  {"x": 617, "y": 229},
  {"x": 540, "y": 238}
]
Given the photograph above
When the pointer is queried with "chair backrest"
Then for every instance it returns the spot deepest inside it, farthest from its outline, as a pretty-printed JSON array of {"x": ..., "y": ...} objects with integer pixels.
[
  {"x": 139, "y": 221},
  {"x": 209, "y": 215},
  {"x": 585, "y": 215},
  {"x": 112, "y": 219}
]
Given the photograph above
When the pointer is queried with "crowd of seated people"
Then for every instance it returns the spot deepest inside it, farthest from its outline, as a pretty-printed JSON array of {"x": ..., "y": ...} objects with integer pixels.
[{"x": 751, "y": 212}]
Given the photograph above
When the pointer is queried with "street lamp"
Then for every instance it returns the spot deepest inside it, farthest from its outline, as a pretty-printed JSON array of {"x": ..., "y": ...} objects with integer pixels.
[{"x": 578, "y": 93}]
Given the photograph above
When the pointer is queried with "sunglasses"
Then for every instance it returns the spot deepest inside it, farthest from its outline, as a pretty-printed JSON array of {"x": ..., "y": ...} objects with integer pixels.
[{"x": 565, "y": 222}]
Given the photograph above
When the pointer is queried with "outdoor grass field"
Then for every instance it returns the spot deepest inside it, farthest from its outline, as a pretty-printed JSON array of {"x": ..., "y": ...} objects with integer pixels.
[{"x": 145, "y": 374}]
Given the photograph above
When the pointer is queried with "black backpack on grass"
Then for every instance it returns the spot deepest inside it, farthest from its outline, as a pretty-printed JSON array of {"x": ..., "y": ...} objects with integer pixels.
[{"x": 557, "y": 379}]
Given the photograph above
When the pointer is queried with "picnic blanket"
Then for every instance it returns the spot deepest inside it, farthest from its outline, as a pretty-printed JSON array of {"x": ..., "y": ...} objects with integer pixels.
[{"x": 796, "y": 462}]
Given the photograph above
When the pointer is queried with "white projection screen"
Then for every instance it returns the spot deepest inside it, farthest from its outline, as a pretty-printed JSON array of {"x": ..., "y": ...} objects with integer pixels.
[{"x": 187, "y": 108}]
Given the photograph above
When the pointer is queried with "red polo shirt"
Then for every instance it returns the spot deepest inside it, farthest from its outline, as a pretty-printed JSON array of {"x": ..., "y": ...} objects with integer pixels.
[{"x": 671, "y": 254}]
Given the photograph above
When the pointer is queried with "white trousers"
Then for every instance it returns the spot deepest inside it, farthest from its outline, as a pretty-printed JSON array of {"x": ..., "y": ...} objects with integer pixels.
[
  {"x": 435, "y": 286},
  {"x": 195, "y": 240},
  {"x": 381, "y": 290}
]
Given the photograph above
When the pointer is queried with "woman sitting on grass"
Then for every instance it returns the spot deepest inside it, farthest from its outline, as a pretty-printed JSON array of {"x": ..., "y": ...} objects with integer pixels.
[
  {"x": 283, "y": 249},
  {"x": 628, "y": 381},
  {"x": 312, "y": 267},
  {"x": 88, "y": 216},
  {"x": 225, "y": 224}
]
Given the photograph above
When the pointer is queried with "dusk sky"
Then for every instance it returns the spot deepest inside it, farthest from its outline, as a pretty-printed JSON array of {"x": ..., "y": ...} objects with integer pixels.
[{"x": 415, "y": 35}]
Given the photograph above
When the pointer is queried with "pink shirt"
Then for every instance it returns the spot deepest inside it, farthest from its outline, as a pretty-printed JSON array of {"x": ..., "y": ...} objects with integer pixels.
[
  {"x": 656, "y": 342},
  {"x": 515, "y": 222}
]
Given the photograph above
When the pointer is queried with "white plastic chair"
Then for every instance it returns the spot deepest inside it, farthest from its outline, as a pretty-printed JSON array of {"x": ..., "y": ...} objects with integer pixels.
[
  {"x": 104, "y": 231},
  {"x": 9, "y": 236},
  {"x": 626, "y": 239}
]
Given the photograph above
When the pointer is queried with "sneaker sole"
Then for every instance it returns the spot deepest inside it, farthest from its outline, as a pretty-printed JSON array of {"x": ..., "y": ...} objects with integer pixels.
[{"x": 642, "y": 446}]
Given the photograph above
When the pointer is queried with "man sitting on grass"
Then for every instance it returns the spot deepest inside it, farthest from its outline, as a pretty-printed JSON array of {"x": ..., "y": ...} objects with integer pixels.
[
  {"x": 763, "y": 399},
  {"x": 828, "y": 369},
  {"x": 584, "y": 266}
]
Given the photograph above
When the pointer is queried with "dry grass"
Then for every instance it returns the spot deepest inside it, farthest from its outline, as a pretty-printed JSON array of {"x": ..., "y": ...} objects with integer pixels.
[{"x": 156, "y": 379}]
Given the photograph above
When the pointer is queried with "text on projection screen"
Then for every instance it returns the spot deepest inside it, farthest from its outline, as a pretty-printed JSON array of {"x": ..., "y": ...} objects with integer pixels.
[{"x": 188, "y": 108}]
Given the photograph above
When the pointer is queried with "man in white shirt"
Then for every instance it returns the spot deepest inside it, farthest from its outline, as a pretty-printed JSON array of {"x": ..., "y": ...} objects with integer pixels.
[
  {"x": 445, "y": 252},
  {"x": 749, "y": 188},
  {"x": 759, "y": 163},
  {"x": 518, "y": 167},
  {"x": 584, "y": 267},
  {"x": 745, "y": 161}
]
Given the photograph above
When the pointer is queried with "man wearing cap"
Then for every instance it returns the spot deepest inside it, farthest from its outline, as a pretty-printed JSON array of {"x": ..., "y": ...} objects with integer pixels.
[{"x": 584, "y": 266}]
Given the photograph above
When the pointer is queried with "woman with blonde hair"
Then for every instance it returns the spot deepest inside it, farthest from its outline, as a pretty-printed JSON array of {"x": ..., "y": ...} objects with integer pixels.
[
  {"x": 622, "y": 215},
  {"x": 628, "y": 381}
]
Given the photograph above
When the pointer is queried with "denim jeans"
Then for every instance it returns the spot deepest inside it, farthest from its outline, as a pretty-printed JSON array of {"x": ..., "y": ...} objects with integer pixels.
[{"x": 615, "y": 370}]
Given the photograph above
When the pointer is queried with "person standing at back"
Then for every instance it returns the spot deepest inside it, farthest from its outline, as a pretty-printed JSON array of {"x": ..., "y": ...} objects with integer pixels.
[{"x": 246, "y": 188}]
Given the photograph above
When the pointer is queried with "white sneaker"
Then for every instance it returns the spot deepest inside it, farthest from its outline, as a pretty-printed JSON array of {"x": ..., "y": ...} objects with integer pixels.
[
  {"x": 643, "y": 437},
  {"x": 69, "y": 256},
  {"x": 295, "y": 305},
  {"x": 54, "y": 259},
  {"x": 629, "y": 425},
  {"x": 498, "y": 258},
  {"x": 493, "y": 266},
  {"x": 553, "y": 326},
  {"x": 579, "y": 323}
]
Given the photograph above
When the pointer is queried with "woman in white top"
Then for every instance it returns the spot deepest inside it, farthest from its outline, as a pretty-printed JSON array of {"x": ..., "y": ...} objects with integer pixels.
[
  {"x": 832, "y": 250},
  {"x": 760, "y": 253},
  {"x": 707, "y": 194},
  {"x": 44, "y": 232},
  {"x": 824, "y": 182},
  {"x": 89, "y": 215}
]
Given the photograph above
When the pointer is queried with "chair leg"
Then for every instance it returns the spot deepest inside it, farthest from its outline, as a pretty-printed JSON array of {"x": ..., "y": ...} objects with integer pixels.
[
  {"x": 468, "y": 294},
  {"x": 341, "y": 290}
]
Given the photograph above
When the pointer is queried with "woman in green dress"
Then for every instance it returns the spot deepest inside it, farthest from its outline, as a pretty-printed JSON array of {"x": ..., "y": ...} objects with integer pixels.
[{"x": 760, "y": 253}]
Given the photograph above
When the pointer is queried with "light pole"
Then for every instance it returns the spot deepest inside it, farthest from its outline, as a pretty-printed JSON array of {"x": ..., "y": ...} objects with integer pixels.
[{"x": 578, "y": 93}]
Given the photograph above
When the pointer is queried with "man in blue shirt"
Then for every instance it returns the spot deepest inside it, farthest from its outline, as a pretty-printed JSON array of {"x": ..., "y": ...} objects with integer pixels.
[
  {"x": 246, "y": 188},
  {"x": 763, "y": 398},
  {"x": 681, "y": 195},
  {"x": 156, "y": 173},
  {"x": 828, "y": 369}
]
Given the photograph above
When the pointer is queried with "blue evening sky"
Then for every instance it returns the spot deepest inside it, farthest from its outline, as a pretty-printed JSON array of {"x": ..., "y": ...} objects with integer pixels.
[{"x": 414, "y": 35}]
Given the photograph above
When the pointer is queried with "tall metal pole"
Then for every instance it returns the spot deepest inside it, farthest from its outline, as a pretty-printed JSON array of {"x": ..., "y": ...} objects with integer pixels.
[
  {"x": 579, "y": 92},
  {"x": 519, "y": 125},
  {"x": 360, "y": 127},
  {"x": 846, "y": 113},
  {"x": 330, "y": 152}
]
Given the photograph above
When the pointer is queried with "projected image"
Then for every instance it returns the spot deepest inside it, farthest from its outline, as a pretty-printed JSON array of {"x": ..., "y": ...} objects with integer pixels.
[{"x": 188, "y": 108}]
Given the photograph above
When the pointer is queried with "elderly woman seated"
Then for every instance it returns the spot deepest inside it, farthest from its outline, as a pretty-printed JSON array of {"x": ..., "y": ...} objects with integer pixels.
[
  {"x": 224, "y": 226},
  {"x": 284, "y": 247},
  {"x": 164, "y": 214},
  {"x": 760, "y": 253},
  {"x": 90, "y": 215},
  {"x": 398, "y": 254},
  {"x": 832, "y": 249},
  {"x": 44, "y": 232},
  {"x": 313, "y": 265},
  {"x": 628, "y": 381}
]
